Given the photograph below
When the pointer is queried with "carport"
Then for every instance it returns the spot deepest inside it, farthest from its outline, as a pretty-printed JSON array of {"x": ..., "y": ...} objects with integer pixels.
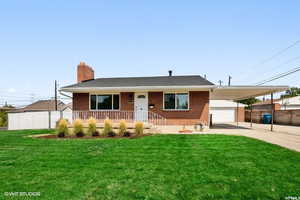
[{"x": 243, "y": 92}]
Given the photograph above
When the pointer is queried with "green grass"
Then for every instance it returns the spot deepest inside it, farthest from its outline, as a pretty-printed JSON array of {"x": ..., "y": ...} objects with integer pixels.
[{"x": 154, "y": 167}]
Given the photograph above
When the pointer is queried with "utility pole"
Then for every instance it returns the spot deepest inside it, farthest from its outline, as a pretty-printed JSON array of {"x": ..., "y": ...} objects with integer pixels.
[
  {"x": 32, "y": 98},
  {"x": 220, "y": 82},
  {"x": 229, "y": 80},
  {"x": 55, "y": 95}
]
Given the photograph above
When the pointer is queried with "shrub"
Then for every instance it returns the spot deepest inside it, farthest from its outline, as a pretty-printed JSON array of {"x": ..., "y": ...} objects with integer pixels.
[
  {"x": 126, "y": 134},
  {"x": 96, "y": 133},
  {"x": 92, "y": 127},
  {"x": 3, "y": 119},
  {"x": 107, "y": 126},
  {"x": 122, "y": 127},
  {"x": 139, "y": 128},
  {"x": 78, "y": 128},
  {"x": 62, "y": 128},
  {"x": 111, "y": 134}
]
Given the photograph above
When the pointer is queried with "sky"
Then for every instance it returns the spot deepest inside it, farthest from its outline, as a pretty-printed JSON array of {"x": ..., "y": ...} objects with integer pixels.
[{"x": 43, "y": 41}]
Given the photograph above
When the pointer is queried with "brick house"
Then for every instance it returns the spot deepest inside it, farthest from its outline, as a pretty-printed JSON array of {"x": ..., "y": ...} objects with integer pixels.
[{"x": 171, "y": 100}]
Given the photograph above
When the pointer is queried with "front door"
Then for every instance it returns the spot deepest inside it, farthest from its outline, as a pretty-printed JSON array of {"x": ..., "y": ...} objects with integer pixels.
[{"x": 141, "y": 106}]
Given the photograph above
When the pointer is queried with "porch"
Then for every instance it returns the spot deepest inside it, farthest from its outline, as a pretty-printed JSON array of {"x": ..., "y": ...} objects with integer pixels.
[{"x": 148, "y": 117}]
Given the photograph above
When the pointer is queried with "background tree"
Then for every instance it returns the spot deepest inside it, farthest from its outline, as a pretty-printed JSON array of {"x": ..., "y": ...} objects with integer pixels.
[
  {"x": 249, "y": 101},
  {"x": 292, "y": 92}
]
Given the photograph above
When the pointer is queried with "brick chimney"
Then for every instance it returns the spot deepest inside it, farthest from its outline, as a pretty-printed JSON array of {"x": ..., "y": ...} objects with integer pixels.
[{"x": 84, "y": 72}]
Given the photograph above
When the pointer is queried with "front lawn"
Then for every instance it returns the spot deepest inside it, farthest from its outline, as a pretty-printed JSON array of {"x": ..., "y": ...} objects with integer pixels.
[{"x": 155, "y": 167}]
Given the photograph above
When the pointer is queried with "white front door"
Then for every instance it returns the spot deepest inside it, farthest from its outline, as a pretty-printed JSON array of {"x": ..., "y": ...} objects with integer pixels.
[{"x": 141, "y": 106}]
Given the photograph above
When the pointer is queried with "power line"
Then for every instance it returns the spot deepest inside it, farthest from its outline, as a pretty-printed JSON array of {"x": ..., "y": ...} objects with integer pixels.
[
  {"x": 281, "y": 64},
  {"x": 278, "y": 53},
  {"x": 272, "y": 57},
  {"x": 278, "y": 76}
]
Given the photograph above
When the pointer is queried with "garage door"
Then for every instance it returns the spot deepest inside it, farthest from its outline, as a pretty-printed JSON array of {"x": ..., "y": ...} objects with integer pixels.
[{"x": 221, "y": 115}]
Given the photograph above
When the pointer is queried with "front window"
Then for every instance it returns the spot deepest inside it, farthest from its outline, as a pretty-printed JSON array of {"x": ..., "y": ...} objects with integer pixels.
[
  {"x": 105, "y": 102},
  {"x": 176, "y": 101}
]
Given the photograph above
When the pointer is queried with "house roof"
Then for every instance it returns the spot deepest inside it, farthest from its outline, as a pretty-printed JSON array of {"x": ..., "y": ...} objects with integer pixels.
[
  {"x": 288, "y": 100},
  {"x": 194, "y": 80},
  {"x": 42, "y": 105},
  {"x": 266, "y": 102},
  {"x": 171, "y": 83}
]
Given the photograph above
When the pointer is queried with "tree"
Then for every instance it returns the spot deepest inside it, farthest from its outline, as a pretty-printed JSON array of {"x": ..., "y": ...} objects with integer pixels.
[
  {"x": 292, "y": 92},
  {"x": 3, "y": 118},
  {"x": 249, "y": 101}
]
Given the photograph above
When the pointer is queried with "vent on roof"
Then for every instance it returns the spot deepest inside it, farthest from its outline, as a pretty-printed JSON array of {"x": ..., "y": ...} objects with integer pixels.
[{"x": 170, "y": 72}]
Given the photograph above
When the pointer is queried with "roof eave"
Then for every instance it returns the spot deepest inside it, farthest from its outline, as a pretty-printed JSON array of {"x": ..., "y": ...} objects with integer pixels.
[{"x": 138, "y": 88}]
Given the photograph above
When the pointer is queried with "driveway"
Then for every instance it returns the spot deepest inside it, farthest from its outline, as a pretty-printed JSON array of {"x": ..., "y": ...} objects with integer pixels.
[{"x": 285, "y": 136}]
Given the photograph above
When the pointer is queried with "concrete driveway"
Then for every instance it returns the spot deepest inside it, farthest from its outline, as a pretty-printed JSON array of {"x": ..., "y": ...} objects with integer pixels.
[{"x": 285, "y": 136}]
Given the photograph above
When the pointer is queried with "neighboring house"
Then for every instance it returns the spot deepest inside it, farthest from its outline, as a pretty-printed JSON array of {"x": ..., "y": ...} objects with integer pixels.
[
  {"x": 171, "y": 100},
  {"x": 43, "y": 105},
  {"x": 39, "y": 115},
  {"x": 224, "y": 111},
  {"x": 291, "y": 103}
]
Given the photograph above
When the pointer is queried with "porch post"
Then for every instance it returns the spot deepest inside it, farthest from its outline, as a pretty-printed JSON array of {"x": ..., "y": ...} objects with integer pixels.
[{"x": 272, "y": 111}]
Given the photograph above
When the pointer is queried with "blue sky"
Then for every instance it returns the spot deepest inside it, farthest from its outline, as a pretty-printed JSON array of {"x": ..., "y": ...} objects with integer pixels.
[{"x": 41, "y": 41}]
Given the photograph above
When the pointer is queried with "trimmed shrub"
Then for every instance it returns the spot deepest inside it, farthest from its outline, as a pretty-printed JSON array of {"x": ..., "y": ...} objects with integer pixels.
[
  {"x": 122, "y": 127},
  {"x": 62, "y": 128},
  {"x": 139, "y": 128},
  {"x": 92, "y": 127},
  {"x": 111, "y": 134},
  {"x": 96, "y": 133},
  {"x": 107, "y": 126},
  {"x": 78, "y": 128},
  {"x": 3, "y": 119},
  {"x": 126, "y": 134}
]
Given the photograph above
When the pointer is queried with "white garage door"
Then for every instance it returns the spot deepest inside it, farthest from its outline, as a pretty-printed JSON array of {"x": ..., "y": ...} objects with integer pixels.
[{"x": 221, "y": 115}]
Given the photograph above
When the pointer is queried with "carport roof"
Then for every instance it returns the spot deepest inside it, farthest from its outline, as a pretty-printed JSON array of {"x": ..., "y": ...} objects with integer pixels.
[{"x": 243, "y": 92}]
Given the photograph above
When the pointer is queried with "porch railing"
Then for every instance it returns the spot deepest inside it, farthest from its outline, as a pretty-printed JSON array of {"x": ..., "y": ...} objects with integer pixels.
[{"x": 118, "y": 115}]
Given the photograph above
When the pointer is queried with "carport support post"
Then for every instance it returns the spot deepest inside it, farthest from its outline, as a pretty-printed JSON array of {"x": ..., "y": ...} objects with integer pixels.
[
  {"x": 272, "y": 112},
  {"x": 237, "y": 114},
  {"x": 251, "y": 116}
]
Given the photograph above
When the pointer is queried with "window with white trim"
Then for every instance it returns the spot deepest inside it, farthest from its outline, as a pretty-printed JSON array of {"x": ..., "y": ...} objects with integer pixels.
[
  {"x": 105, "y": 102},
  {"x": 176, "y": 101}
]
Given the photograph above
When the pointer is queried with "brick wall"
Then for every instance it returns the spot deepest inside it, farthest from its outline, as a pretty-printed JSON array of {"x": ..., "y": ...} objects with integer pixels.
[
  {"x": 263, "y": 107},
  {"x": 198, "y": 112},
  {"x": 241, "y": 114},
  {"x": 127, "y": 101},
  {"x": 288, "y": 117},
  {"x": 81, "y": 101}
]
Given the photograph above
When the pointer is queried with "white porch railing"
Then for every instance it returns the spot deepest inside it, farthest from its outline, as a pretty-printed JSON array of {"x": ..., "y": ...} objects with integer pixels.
[{"x": 117, "y": 115}]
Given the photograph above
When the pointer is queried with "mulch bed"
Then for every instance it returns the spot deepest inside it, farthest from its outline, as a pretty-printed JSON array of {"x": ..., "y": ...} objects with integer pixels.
[{"x": 92, "y": 137}]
